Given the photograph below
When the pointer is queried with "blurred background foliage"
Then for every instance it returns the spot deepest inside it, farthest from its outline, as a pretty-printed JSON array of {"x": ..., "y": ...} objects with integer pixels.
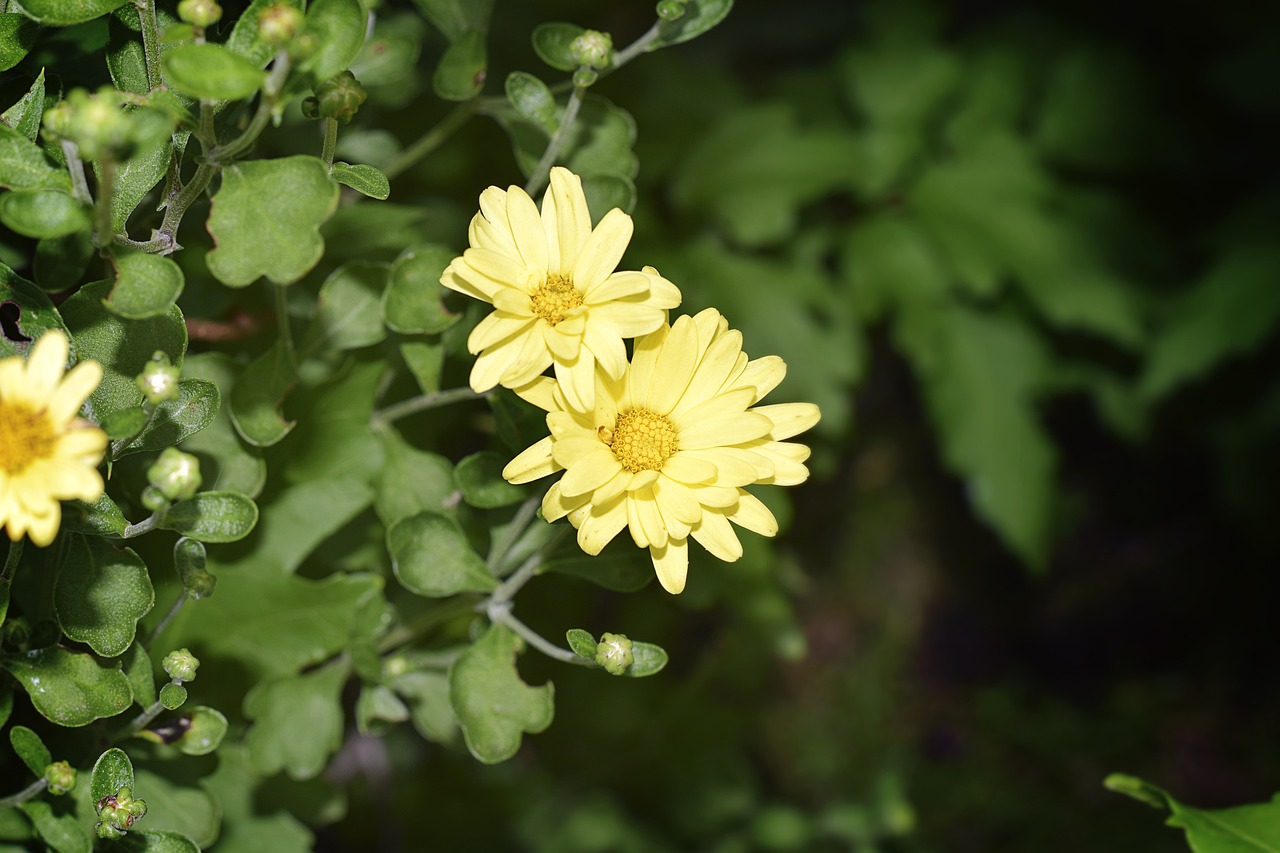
[{"x": 1024, "y": 256}]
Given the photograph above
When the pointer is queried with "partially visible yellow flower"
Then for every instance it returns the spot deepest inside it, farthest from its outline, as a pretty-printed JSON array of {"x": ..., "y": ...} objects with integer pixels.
[
  {"x": 669, "y": 445},
  {"x": 47, "y": 453},
  {"x": 551, "y": 279}
]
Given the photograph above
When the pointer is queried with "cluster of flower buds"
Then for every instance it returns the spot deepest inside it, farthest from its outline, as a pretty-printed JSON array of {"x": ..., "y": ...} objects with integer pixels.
[
  {"x": 96, "y": 123},
  {"x": 61, "y": 777},
  {"x": 339, "y": 98},
  {"x": 158, "y": 381},
  {"x": 117, "y": 813},
  {"x": 174, "y": 476},
  {"x": 593, "y": 50},
  {"x": 199, "y": 13},
  {"x": 614, "y": 654}
]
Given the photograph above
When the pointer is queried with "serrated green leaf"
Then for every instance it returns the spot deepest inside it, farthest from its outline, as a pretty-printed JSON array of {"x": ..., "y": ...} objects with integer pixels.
[
  {"x": 266, "y": 219},
  {"x": 582, "y": 643},
  {"x": 349, "y": 308},
  {"x": 363, "y": 179},
  {"x": 339, "y": 27},
  {"x": 211, "y": 71},
  {"x": 412, "y": 303},
  {"x": 175, "y": 420},
  {"x": 297, "y": 722},
  {"x": 205, "y": 733},
  {"x": 112, "y": 771},
  {"x": 494, "y": 706},
  {"x": 100, "y": 593},
  {"x": 23, "y": 164},
  {"x": 25, "y": 115},
  {"x": 100, "y": 518},
  {"x": 553, "y": 42},
  {"x": 43, "y": 213},
  {"x": 699, "y": 16},
  {"x": 123, "y": 347},
  {"x": 62, "y": 13},
  {"x": 532, "y": 99},
  {"x": 68, "y": 688},
  {"x": 61, "y": 832},
  {"x": 258, "y": 395},
  {"x": 431, "y": 557},
  {"x": 146, "y": 285},
  {"x": 212, "y": 517},
  {"x": 460, "y": 74},
  {"x": 17, "y": 35},
  {"x": 226, "y": 463},
  {"x": 30, "y": 749},
  {"x": 479, "y": 477}
]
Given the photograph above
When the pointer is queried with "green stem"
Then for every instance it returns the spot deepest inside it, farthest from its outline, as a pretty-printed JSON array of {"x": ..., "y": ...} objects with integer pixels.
[
  {"x": 102, "y": 235},
  {"x": 501, "y": 597},
  {"x": 11, "y": 561},
  {"x": 504, "y": 616},
  {"x": 150, "y": 41},
  {"x": 637, "y": 47},
  {"x": 168, "y": 617},
  {"x": 143, "y": 526},
  {"x": 538, "y": 177},
  {"x": 431, "y": 140},
  {"x": 442, "y": 613},
  {"x": 501, "y": 547},
  {"x": 421, "y": 403},
  {"x": 224, "y": 154},
  {"x": 75, "y": 167},
  {"x": 25, "y": 794},
  {"x": 330, "y": 141}
]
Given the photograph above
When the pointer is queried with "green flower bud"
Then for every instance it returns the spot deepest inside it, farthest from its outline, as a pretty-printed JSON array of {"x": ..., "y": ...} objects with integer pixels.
[
  {"x": 106, "y": 827},
  {"x": 278, "y": 24},
  {"x": 593, "y": 49},
  {"x": 339, "y": 97},
  {"x": 584, "y": 77},
  {"x": 176, "y": 475},
  {"x": 181, "y": 665},
  {"x": 98, "y": 125},
  {"x": 57, "y": 121},
  {"x": 671, "y": 10},
  {"x": 158, "y": 381},
  {"x": 200, "y": 584},
  {"x": 613, "y": 652},
  {"x": 61, "y": 777},
  {"x": 117, "y": 812},
  {"x": 199, "y": 13}
]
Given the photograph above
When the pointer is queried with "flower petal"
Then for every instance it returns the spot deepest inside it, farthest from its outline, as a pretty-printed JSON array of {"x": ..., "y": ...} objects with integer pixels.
[
  {"x": 496, "y": 327},
  {"x": 644, "y": 520},
  {"x": 589, "y": 472},
  {"x": 674, "y": 367},
  {"x": 789, "y": 418},
  {"x": 45, "y": 364},
  {"x": 527, "y": 229},
  {"x": 620, "y": 285},
  {"x": 577, "y": 380},
  {"x": 567, "y": 451},
  {"x": 540, "y": 392},
  {"x": 676, "y": 501},
  {"x": 734, "y": 465},
  {"x": 788, "y": 461},
  {"x": 70, "y": 395},
  {"x": 566, "y": 220},
  {"x": 503, "y": 270},
  {"x": 607, "y": 347},
  {"x": 662, "y": 293},
  {"x": 629, "y": 319},
  {"x": 715, "y": 533},
  {"x": 687, "y": 468},
  {"x": 712, "y": 372},
  {"x": 753, "y": 515},
  {"x": 723, "y": 431},
  {"x": 602, "y": 250},
  {"x": 533, "y": 463},
  {"x": 671, "y": 563},
  {"x": 556, "y": 506},
  {"x": 598, "y": 527},
  {"x": 763, "y": 374}
]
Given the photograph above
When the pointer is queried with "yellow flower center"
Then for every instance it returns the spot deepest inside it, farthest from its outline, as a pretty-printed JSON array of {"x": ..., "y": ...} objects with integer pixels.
[
  {"x": 555, "y": 298},
  {"x": 25, "y": 436},
  {"x": 641, "y": 440}
]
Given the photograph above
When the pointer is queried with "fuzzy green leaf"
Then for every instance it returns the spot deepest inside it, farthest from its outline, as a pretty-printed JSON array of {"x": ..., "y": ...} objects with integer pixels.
[
  {"x": 212, "y": 517},
  {"x": 411, "y": 481},
  {"x": 581, "y": 642},
  {"x": 112, "y": 771},
  {"x": 175, "y": 420},
  {"x": 135, "y": 177},
  {"x": 30, "y": 749},
  {"x": 460, "y": 74},
  {"x": 61, "y": 832},
  {"x": 62, "y": 13},
  {"x": 699, "y": 16},
  {"x": 363, "y": 179},
  {"x": 258, "y": 394},
  {"x": 1253, "y": 828},
  {"x": 553, "y": 42},
  {"x": 454, "y": 18},
  {"x": 266, "y": 219},
  {"x": 297, "y": 722},
  {"x": 211, "y": 71},
  {"x": 100, "y": 594},
  {"x": 431, "y": 557},
  {"x": 339, "y": 27},
  {"x": 26, "y": 114},
  {"x": 156, "y": 841},
  {"x": 137, "y": 668},
  {"x": 245, "y": 38},
  {"x": 207, "y": 729},
  {"x": 61, "y": 261},
  {"x": 32, "y": 314},
  {"x": 494, "y": 706},
  {"x": 349, "y": 308},
  {"x": 622, "y": 568},
  {"x": 302, "y": 516},
  {"x": 23, "y": 164},
  {"x": 100, "y": 518},
  {"x": 68, "y": 688},
  {"x": 226, "y": 463},
  {"x": 427, "y": 693},
  {"x": 479, "y": 476},
  {"x": 647, "y": 659},
  {"x": 17, "y": 35},
  {"x": 532, "y": 99},
  {"x": 412, "y": 303},
  {"x": 43, "y": 213},
  {"x": 146, "y": 285},
  {"x": 378, "y": 704}
]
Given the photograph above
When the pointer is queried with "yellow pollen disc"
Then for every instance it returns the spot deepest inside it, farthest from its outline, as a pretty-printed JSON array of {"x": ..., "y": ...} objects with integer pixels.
[
  {"x": 555, "y": 298},
  {"x": 25, "y": 436},
  {"x": 641, "y": 440}
]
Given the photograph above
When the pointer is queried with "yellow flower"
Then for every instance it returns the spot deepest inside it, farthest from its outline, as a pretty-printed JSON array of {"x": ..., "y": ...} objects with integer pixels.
[
  {"x": 669, "y": 446},
  {"x": 47, "y": 453},
  {"x": 551, "y": 279}
]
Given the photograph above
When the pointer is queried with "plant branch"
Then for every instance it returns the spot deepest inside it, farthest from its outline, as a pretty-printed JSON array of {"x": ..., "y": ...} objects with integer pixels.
[
  {"x": 502, "y": 615},
  {"x": 637, "y": 47},
  {"x": 223, "y": 154},
  {"x": 25, "y": 794},
  {"x": 75, "y": 167},
  {"x": 143, "y": 526},
  {"x": 330, "y": 141},
  {"x": 168, "y": 617},
  {"x": 431, "y": 140},
  {"x": 502, "y": 546},
  {"x": 538, "y": 177},
  {"x": 423, "y": 402},
  {"x": 150, "y": 41},
  {"x": 102, "y": 209}
]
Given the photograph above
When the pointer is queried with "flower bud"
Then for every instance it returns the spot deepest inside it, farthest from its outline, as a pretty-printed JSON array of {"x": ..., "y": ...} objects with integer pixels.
[
  {"x": 61, "y": 777},
  {"x": 57, "y": 121},
  {"x": 97, "y": 124},
  {"x": 671, "y": 10},
  {"x": 199, "y": 13},
  {"x": 200, "y": 584},
  {"x": 592, "y": 49},
  {"x": 180, "y": 665},
  {"x": 158, "y": 381},
  {"x": 584, "y": 77},
  {"x": 339, "y": 97},
  {"x": 176, "y": 475},
  {"x": 117, "y": 812},
  {"x": 278, "y": 24},
  {"x": 613, "y": 652}
]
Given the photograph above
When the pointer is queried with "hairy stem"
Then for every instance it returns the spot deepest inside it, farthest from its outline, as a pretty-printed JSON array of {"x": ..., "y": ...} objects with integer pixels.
[
  {"x": 150, "y": 41},
  {"x": 102, "y": 235},
  {"x": 637, "y": 47},
  {"x": 431, "y": 140},
  {"x": 143, "y": 526},
  {"x": 75, "y": 168},
  {"x": 25, "y": 794},
  {"x": 168, "y": 617},
  {"x": 330, "y": 141}
]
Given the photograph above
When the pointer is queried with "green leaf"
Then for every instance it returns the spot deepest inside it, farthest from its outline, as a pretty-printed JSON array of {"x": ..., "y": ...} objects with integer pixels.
[
  {"x": 146, "y": 285},
  {"x": 23, "y": 164},
  {"x": 61, "y": 832},
  {"x": 172, "y": 696},
  {"x": 425, "y": 360},
  {"x": 454, "y": 18},
  {"x": 699, "y": 16},
  {"x": 479, "y": 476},
  {"x": 1243, "y": 829},
  {"x": 647, "y": 659},
  {"x": 212, "y": 517},
  {"x": 137, "y": 668},
  {"x": 363, "y": 179},
  {"x": 339, "y": 27},
  {"x": 553, "y": 42},
  {"x": 890, "y": 262},
  {"x": 340, "y": 445},
  {"x": 283, "y": 622},
  {"x": 226, "y": 464},
  {"x": 25, "y": 115},
  {"x": 431, "y": 557},
  {"x": 205, "y": 733},
  {"x": 100, "y": 518},
  {"x": 30, "y": 749},
  {"x": 28, "y": 309},
  {"x": 532, "y": 99},
  {"x": 621, "y": 569},
  {"x": 175, "y": 806},
  {"x": 249, "y": 825},
  {"x": 460, "y": 74},
  {"x": 64, "y": 12},
  {"x": 349, "y": 308},
  {"x": 493, "y": 705},
  {"x": 411, "y": 481},
  {"x": 428, "y": 696},
  {"x": 297, "y": 722},
  {"x": 412, "y": 303},
  {"x": 43, "y": 213},
  {"x": 246, "y": 39},
  {"x": 258, "y": 394},
  {"x": 378, "y": 704},
  {"x": 17, "y": 35},
  {"x": 605, "y": 192},
  {"x": 137, "y": 176},
  {"x": 100, "y": 593},
  {"x": 68, "y": 688},
  {"x": 123, "y": 347},
  {"x": 156, "y": 840},
  {"x": 211, "y": 71},
  {"x": 61, "y": 261},
  {"x": 194, "y": 409},
  {"x": 302, "y": 516},
  {"x": 582, "y": 643},
  {"x": 266, "y": 219},
  {"x": 123, "y": 423},
  {"x": 112, "y": 771}
]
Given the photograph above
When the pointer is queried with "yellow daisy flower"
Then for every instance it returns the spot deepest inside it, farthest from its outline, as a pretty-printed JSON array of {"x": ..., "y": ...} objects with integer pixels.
[
  {"x": 669, "y": 445},
  {"x": 550, "y": 278},
  {"x": 47, "y": 453}
]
